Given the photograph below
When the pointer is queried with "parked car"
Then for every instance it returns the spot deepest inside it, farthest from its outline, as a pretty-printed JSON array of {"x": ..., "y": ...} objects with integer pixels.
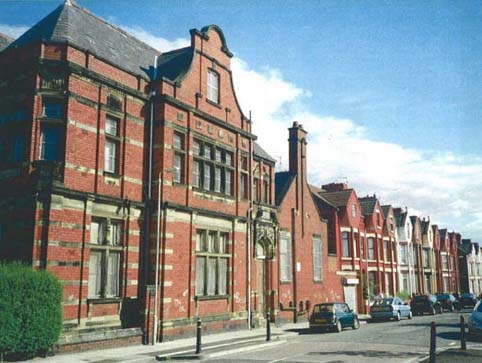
[
  {"x": 390, "y": 308},
  {"x": 475, "y": 321},
  {"x": 425, "y": 304},
  {"x": 333, "y": 316},
  {"x": 447, "y": 301},
  {"x": 467, "y": 300}
]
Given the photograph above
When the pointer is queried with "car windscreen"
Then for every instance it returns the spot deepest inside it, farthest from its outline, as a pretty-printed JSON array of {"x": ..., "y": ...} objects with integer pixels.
[
  {"x": 420, "y": 297},
  {"x": 324, "y": 308},
  {"x": 479, "y": 308},
  {"x": 383, "y": 302},
  {"x": 443, "y": 297},
  {"x": 467, "y": 296}
]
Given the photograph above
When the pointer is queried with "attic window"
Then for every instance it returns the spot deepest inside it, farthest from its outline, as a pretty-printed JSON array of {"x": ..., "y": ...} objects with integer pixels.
[
  {"x": 213, "y": 86},
  {"x": 353, "y": 210}
]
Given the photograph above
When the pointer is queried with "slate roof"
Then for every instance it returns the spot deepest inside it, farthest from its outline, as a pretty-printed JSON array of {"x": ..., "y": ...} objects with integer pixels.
[
  {"x": 5, "y": 40},
  {"x": 443, "y": 234},
  {"x": 464, "y": 248},
  {"x": 72, "y": 24},
  {"x": 319, "y": 197},
  {"x": 259, "y": 151},
  {"x": 400, "y": 217},
  {"x": 175, "y": 64},
  {"x": 413, "y": 219},
  {"x": 425, "y": 225},
  {"x": 282, "y": 182},
  {"x": 386, "y": 210},
  {"x": 339, "y": 198},
  {"x": 367, "y": 205}
]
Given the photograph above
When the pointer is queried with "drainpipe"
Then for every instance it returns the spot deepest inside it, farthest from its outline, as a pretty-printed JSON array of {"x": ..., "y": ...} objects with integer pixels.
[
  {"x": 250, "y": 216},
  {"x": 156, "y": 306},
  {"x": 249, "y": 213},
  {"x": 149, "y": 195},
  {"x": 293, "y": 249}
]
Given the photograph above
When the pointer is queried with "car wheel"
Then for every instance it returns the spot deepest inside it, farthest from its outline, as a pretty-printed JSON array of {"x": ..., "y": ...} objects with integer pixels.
[
  {"x": 433, "y": 312},
  {"x": 356, "y": 324},
  {"x": 410, "y": 316},
  {"x": 338, "y": 327},
  {"x": 398, "y": 317}
]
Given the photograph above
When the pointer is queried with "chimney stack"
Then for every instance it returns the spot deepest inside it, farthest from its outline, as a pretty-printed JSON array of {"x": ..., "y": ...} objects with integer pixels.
[
  {"x": 334, "y": 187},
  {"x": 297, "y": 150}
]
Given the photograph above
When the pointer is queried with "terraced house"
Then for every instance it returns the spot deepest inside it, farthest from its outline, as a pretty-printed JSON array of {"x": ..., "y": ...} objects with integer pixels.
[
  {"x": 406, "y": 274},
  {"x": 380, "y": 238},
  {"x": 470, "y": 267},
  {"x": 428, "y": 257},
  {"x": 339, "y": 205}
]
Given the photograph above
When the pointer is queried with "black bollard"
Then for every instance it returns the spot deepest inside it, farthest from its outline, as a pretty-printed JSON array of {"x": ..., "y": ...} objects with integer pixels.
[
  {"x": 432, "y": 342},
  {"x": 463, "y": 342},
  {"x": 198, "y": 336},
  {"x": 268, "y": 327}
]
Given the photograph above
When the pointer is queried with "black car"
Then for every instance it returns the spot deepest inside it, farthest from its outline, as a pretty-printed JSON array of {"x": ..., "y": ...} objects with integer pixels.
[
  {"x": 425, "y": 304},
  {"x": 447, "y": 301},
  {"x": 467, "y": 300}
]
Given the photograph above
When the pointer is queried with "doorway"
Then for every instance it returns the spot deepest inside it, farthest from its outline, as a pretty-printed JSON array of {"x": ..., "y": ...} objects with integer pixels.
[{"x": 260, "y": 287}]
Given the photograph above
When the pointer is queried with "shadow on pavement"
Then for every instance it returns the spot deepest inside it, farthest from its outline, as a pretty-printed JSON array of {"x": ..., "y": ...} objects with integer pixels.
[
  {"x": 308, "y": 331},
  {"x": 368, "y": 353},
  {"x": 450, "y": 335},
  {"x": 439, "y": 325}
]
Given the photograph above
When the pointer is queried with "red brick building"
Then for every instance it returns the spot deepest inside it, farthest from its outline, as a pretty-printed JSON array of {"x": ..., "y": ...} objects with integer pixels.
[
  {"x": 449, "y": 261},
  {"x": 307, "y": 272},
  {"x": 346, "y": 238},
  {"x": 73, "y": 115},
  {"x": 90, "y": 127},
  {"x": 134, "y": 177},
  {"x": 390, "y": 251},
  {"x": 380, "y": 245},
  {"x": 455, "y": 241}
]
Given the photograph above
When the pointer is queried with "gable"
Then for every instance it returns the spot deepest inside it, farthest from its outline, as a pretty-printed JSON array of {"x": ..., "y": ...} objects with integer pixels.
[{"x": 193, "y": 74}]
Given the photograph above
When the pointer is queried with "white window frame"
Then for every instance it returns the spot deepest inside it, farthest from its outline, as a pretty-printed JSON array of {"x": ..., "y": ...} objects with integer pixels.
[
  {"x": 213, "y": 86},
  {"x": 285, "y": 258},
  {"x": 111, "y": 149},
  {"x": 106, "y": 244},
  {"x": 212, "y": 263},
  {"x": 317, "y": 259}
]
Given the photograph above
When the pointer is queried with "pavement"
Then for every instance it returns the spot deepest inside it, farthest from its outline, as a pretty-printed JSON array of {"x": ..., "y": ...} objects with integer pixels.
[
  {"x": 213, "y": 346},
  {"x": 471, "y": 355},
  {"x": 405, "y": 341}
]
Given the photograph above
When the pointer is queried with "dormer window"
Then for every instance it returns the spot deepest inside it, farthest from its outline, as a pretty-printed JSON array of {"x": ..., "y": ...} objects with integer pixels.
[{"x": 213, "y": 86}]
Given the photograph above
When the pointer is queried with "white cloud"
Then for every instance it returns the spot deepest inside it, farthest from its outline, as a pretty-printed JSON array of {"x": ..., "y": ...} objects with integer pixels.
[
  {"x": 162, "y": 44},
  {"x": 444, "y": 186},
  {"x": 13, "y": 31}
]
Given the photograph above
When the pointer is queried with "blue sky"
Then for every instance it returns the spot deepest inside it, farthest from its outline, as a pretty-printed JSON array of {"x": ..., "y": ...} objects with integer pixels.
[{"x": 400, "y": 79}]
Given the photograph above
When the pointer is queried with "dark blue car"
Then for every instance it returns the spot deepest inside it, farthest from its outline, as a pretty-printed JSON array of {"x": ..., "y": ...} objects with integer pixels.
[{"x": 333, "y": 316}]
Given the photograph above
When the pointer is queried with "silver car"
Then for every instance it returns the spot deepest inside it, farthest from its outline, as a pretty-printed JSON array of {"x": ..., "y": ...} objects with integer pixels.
[
  {"x": 475, "y": 320},
  {"x": 390, "y": 308}
]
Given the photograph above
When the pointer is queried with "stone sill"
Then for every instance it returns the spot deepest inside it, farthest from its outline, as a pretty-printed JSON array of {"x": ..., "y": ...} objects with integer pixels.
[{"x": 211, "y": 297}]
